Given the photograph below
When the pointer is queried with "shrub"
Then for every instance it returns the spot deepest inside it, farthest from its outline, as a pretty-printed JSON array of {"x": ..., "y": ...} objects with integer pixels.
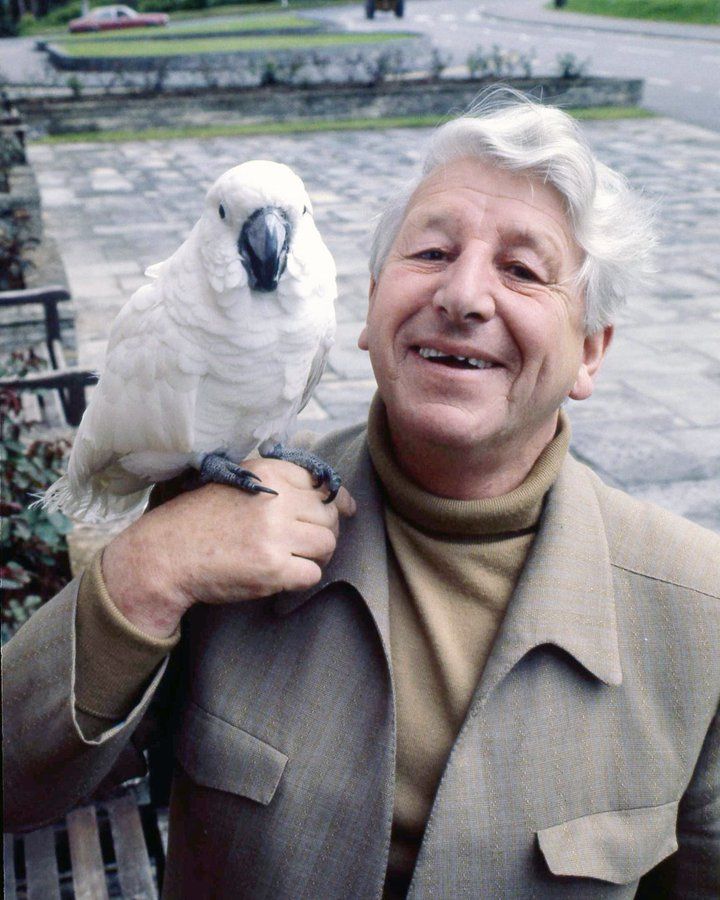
[
  {"x": 439, "y": 61},
  {"x": 9, "y": 27},
  {"x": 75, "y": 85},
  {"x": 478, "y": 63},
  {"x": 11, "y": 154},
  {"x": 569, "y": 66},
  {"x": 59, "y": 16},
  {"x": 500, "y": 63},
  {"x": 385, "y": 64},
  {"x": 35, "y": 562},
  {"x": 170, "y": 6},
  {"x": 15, "y": 240}
]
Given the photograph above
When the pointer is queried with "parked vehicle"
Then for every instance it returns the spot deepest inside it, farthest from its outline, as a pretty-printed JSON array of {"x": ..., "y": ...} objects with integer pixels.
[
  {"x": 103, "y": 18},
  {"x": 396, "y": 6}
]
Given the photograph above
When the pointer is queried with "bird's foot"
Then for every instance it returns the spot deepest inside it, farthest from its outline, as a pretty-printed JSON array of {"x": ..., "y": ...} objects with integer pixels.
[
  {"x": 322, "y": 473},
  {"x": 218, "y": 469}
]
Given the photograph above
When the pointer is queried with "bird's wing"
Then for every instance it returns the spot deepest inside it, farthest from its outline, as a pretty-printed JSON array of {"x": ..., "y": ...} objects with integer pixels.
[
  {"x": 317, "y": 366},
  {"x": 146, "y": 394},
  {"x": 313, "y": 269}
]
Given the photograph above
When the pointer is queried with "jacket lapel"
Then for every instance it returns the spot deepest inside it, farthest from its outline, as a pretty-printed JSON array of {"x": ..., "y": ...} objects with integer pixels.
[
  {"x": 360, "y": 558},
  {"x": 565, "y": 594}
]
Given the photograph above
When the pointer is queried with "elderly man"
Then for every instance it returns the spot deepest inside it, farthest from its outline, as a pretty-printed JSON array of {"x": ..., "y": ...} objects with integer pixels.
[{"x": 479, "y": 672}]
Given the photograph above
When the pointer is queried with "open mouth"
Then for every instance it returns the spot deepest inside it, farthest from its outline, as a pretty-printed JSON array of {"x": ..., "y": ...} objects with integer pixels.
[{"x": 451, "y": 360}]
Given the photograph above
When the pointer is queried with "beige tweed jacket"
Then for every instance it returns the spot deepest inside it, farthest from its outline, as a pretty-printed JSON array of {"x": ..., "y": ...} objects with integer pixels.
[{"x": 588, "y": 765}]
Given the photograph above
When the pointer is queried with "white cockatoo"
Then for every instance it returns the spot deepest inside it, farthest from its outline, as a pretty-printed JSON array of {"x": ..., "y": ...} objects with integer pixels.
[{"x": 216, "y": 356}]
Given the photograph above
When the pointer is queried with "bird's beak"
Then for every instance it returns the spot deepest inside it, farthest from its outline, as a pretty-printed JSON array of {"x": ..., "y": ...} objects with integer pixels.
[{"x": 263, "y": 247}]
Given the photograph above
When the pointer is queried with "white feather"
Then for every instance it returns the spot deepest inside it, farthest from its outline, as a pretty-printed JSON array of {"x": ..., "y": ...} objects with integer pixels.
[{"x": 197, "y": 361}]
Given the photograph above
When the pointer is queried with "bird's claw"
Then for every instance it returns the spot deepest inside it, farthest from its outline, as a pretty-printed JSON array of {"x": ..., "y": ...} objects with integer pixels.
[
  {"x": 218, "y": 469},
  {"x": 321, "y": 472}
]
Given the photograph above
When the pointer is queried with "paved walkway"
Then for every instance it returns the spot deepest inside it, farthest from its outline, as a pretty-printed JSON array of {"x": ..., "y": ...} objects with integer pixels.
[{"x": 653, "y": 425}]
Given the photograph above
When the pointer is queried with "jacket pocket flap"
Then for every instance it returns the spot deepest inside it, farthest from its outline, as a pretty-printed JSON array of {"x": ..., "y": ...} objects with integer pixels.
[
  {"x": 219, "y": 755},
  {"x": 617, "y": 846}
]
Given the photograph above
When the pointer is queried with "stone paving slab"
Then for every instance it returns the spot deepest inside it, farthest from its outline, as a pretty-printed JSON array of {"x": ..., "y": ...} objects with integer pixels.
[{"x": 653, "y": 425}]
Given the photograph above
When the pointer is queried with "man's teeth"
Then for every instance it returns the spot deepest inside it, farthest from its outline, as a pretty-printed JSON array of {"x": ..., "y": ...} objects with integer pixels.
[{"x": 430, "y": 353}]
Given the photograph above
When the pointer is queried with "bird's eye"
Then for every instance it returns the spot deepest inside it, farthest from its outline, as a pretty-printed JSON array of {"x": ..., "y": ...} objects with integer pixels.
[
  {"x": 305, "y": 210},
  {"x": 221, "y": 211}
]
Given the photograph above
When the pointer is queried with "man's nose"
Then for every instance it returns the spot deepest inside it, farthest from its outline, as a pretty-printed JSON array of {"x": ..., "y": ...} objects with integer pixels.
[{"x": 467, "y": 290}]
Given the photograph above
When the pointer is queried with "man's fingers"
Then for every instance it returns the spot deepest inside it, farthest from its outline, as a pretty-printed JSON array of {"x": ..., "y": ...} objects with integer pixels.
[
  {"x": 345, "y": 503},
  {"x": 314, "y": 511},
  {"x": 314, "y": 542},
  {"x": 301, "y": 573}
]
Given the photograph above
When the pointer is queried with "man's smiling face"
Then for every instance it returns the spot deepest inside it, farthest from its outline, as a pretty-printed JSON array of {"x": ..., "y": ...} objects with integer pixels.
[{"x": 481, "y": 269}]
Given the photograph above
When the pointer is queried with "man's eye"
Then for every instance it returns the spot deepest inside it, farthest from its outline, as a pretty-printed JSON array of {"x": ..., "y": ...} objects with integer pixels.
[
  {"x": 518, "y": 270},
  {"x": 433, "y": 255}
]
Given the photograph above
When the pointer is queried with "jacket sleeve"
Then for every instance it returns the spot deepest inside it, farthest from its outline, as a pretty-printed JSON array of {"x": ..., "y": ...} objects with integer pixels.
[
  {"x": 693, "y": 871},
  {"x": 52, "y": 760},
  {"x": 114, "y": 659}
]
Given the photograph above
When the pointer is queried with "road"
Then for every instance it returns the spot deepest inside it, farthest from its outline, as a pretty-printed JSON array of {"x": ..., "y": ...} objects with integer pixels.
[{"x": 680, "y": 63}]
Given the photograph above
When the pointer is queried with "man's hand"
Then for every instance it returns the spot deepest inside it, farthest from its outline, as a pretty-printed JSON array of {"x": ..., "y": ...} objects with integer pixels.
[{"x": 220, "y": 545}]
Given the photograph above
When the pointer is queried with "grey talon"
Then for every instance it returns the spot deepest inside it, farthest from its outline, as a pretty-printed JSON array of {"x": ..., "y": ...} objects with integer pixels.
[
  {"x": 216, "y": 468},
  {"x": 321, "y": 472},
  {"x": 261, "y": 489}
]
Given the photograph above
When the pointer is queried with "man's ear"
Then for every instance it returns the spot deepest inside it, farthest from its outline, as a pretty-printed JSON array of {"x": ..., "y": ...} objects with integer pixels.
[
  {"x": 363, "y": 339},
  {"x": 595, "y": 346}
]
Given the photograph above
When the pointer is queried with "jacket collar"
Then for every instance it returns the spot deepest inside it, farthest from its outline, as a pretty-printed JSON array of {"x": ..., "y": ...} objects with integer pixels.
[
  {"x": 564, "y": 596},
  {"x": 360, "y": 559}
]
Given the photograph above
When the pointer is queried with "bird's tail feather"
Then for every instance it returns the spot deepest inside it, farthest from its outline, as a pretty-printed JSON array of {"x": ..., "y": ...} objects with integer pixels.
[{"x": 90, "y": 506}]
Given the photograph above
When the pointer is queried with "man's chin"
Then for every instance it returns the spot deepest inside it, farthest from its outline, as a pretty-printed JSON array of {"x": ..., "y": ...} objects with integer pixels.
[{"x": 442, "y": 426}]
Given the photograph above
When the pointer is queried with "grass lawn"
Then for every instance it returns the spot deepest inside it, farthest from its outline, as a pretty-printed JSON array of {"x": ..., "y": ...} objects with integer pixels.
[
  {"x": 126, "y": 48},
  {"x": 303, "y": 127},
  {"x": 210, "y": 27},
  {"x": 705, "y": 12}
]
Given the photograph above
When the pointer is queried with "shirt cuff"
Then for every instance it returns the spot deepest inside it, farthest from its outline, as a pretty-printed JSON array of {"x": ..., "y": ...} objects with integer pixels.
[{"x": 115, "y": 659}]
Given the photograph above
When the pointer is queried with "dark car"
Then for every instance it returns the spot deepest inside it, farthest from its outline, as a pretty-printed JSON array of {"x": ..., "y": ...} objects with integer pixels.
[
  {"x": 103, "y": 18},
  {"x": 396, "y": 6}
]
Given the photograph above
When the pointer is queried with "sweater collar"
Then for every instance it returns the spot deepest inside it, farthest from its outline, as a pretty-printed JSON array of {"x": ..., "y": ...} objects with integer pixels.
[
  {"x": 565, "y": 595},
  {"x": 517, "y": 510}
]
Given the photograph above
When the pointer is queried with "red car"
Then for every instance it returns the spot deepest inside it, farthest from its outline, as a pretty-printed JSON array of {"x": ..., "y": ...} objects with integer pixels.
[{"x": 103, "y": 18}]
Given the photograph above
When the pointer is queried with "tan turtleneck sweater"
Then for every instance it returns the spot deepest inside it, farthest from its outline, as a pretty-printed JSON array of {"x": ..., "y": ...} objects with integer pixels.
[{"x": 453, "y": 565}]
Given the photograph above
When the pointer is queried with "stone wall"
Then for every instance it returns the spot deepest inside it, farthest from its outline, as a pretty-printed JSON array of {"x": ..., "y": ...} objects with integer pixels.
[
  {"x": 24, "y": 326},
  {"x": 200, "y": 62},
  {"x": 284, "y": 103}
]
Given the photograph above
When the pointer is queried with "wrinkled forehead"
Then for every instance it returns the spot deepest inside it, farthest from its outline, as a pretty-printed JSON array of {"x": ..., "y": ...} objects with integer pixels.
[
  {"x": 481, "y": 183},
  {"x": 472, "y": 194}
]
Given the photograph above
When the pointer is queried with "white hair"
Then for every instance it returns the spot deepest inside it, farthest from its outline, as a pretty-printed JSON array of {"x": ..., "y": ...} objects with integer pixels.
[{"x": 609, "y": 221}]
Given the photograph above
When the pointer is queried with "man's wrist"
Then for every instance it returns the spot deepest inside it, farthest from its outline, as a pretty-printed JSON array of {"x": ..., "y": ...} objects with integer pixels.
[{"x": 137, "y": 588}]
